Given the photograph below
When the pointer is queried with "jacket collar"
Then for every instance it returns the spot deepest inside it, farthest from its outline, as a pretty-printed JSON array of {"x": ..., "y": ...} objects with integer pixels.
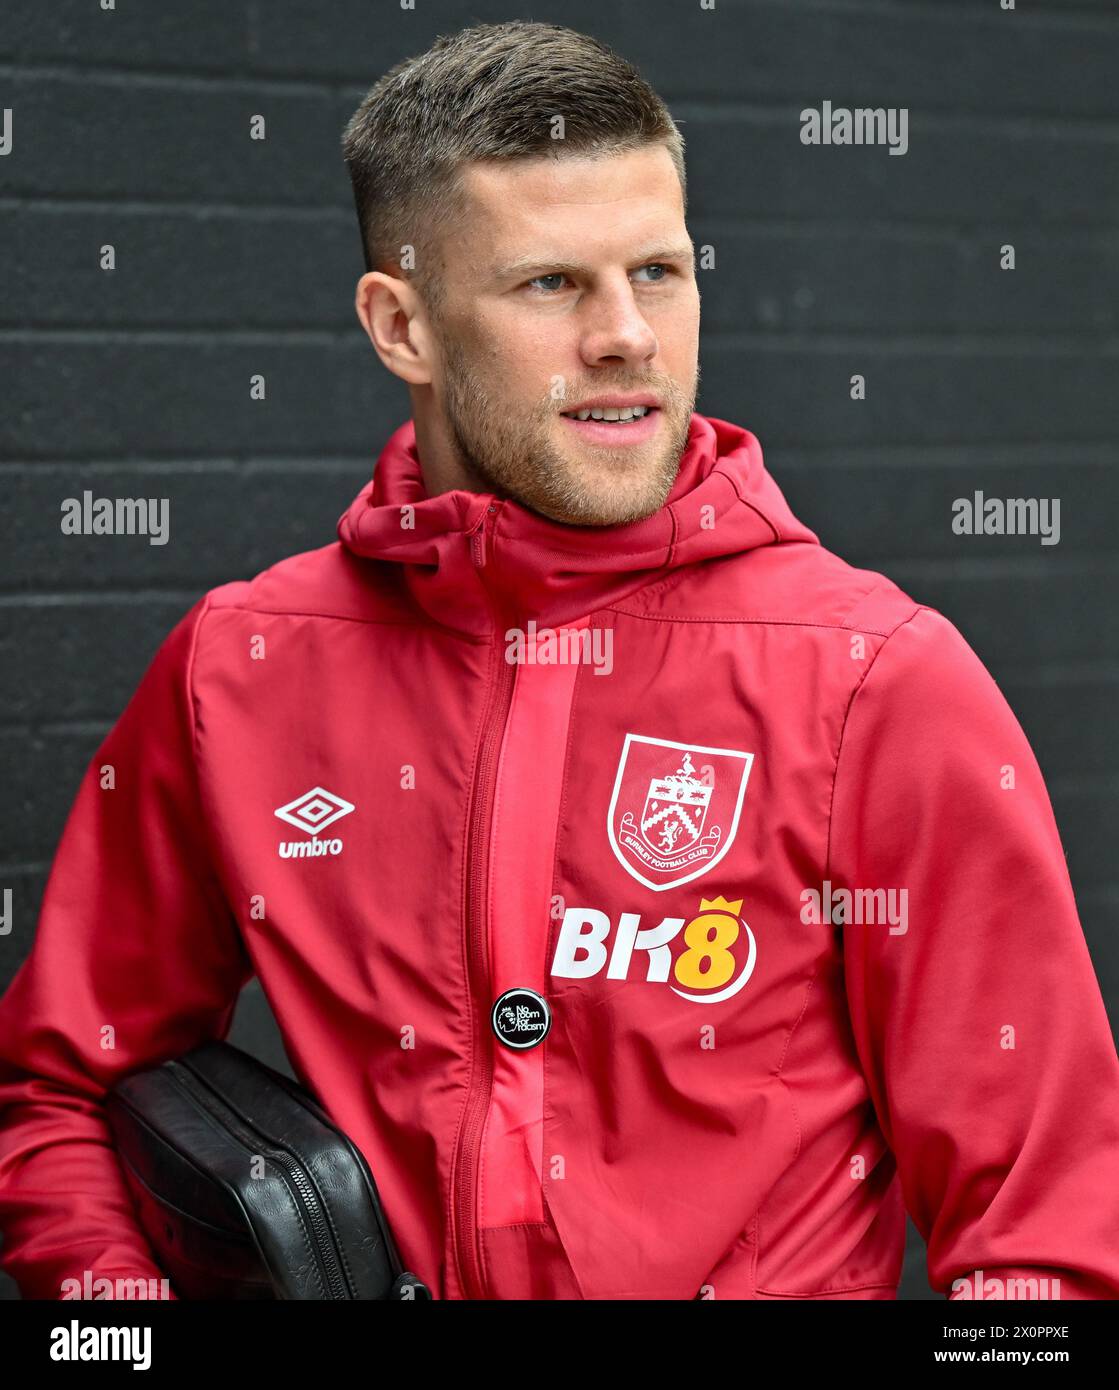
[{"x": 472, "y": 559}]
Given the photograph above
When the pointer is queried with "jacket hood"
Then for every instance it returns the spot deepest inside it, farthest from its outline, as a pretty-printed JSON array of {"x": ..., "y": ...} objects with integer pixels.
[{"x": 472, "y": 559}]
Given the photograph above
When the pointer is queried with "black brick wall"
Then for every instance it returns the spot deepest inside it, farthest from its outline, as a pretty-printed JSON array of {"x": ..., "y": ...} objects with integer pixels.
[{"x": 236, "y": 257}]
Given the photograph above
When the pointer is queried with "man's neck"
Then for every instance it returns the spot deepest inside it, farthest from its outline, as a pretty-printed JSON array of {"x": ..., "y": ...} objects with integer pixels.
[{"x": 441, "y": 464}]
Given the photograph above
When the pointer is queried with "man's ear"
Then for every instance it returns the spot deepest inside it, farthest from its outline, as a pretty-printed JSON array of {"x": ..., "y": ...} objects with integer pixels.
[{"x": 392, "y": 314}]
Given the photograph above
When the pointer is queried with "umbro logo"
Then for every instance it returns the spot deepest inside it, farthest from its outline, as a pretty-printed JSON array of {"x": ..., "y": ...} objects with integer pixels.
[{"x": 313, "y": 812}]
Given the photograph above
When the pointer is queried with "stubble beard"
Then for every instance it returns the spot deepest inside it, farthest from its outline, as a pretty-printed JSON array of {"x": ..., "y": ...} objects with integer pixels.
[{"x": 511, "y": 453}]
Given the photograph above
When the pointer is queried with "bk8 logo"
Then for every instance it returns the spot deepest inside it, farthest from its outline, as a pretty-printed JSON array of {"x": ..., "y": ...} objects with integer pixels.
[{"x": 718, "y": 956}]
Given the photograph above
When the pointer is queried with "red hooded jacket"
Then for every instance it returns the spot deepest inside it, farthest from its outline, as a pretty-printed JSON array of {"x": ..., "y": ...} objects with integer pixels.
[{"x": 759, "y": 830}]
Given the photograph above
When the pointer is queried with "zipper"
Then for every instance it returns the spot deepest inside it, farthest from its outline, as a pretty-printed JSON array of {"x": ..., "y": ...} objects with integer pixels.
[
  {"x": 464, "y": 1211},
  {"x": 331, "y": 1274}
]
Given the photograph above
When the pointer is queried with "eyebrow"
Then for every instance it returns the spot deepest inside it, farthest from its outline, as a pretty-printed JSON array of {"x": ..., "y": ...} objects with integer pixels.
[{"x": 529, "y": 265}]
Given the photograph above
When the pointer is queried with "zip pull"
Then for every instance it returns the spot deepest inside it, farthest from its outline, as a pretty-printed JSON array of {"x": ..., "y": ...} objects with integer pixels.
[
  {"x": 478, "y": 538},
  {"x": 408, "y": 1289}
]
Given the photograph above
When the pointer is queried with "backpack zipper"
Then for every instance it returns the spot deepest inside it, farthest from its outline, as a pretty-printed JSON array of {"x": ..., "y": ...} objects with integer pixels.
[{"x": 332, "y": 1277}]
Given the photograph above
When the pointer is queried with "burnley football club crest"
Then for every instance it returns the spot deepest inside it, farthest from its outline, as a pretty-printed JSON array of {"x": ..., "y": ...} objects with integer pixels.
[{"x": 675, "y": 808}]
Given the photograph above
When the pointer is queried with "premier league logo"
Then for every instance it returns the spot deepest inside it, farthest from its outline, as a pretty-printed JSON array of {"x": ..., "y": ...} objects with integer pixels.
[{"x": 675, "y": 808}]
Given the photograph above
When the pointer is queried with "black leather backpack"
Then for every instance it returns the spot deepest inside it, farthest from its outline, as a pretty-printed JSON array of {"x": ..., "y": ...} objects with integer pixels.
[{"x": 245, "y": 1189}]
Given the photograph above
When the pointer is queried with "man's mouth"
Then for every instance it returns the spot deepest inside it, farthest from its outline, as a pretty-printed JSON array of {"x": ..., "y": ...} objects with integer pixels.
[
  {"x": 611, "y": 424},
  {"x": 623, "y": 415}
]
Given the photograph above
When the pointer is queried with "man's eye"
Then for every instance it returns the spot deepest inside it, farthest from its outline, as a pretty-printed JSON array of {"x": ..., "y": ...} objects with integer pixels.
[{"x": 547, "y": 283}]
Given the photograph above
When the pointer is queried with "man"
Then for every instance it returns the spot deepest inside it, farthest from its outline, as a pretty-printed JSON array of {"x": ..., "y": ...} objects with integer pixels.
[{"x": 662, "y": 905}]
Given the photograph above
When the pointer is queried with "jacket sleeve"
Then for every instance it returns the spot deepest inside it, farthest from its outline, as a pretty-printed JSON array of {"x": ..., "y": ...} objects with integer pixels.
[
  {"x": 136, "y": 959},
  {"x": 980, "y": 1028}
]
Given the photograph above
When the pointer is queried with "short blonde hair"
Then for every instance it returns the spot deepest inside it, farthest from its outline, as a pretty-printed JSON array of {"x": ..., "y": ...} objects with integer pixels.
[{"x": 489, "y": 92}]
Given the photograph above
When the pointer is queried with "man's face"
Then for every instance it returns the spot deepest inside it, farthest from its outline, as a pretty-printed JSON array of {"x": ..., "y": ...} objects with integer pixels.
[{"x": 569, "y": 285}]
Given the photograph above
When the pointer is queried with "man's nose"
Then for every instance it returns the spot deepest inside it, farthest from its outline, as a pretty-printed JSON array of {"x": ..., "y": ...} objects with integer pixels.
[{"x": 616, "y": 330}]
